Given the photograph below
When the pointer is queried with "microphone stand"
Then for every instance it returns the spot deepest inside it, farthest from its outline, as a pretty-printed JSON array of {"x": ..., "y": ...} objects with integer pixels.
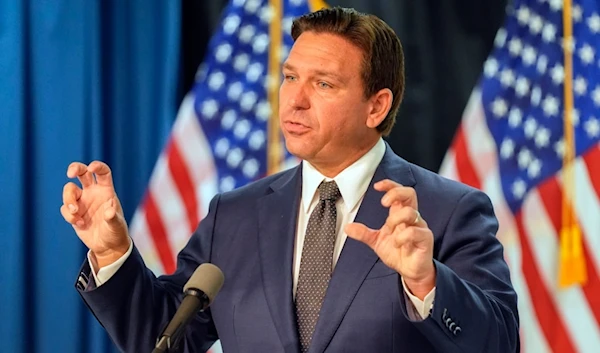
[
  {"x": 168, "y": 341},
  {"x": 168, "y": 344}
]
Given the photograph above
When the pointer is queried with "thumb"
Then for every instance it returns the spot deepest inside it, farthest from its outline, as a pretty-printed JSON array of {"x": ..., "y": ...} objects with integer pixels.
[
  {"x": 111, "y": 215},
  {"x": 362, "y": 233}
]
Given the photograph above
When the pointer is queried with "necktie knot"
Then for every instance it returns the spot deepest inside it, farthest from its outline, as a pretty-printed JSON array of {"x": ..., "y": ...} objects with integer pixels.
[{"x": 328, "y": 190}]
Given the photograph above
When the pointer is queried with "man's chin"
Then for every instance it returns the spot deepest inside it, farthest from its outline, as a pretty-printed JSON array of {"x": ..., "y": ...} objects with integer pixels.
[{"x": 297, "y": 148}]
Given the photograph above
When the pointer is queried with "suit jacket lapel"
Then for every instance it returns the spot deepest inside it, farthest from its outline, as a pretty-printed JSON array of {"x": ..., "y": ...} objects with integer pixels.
[
  {"x": 356, "y": 258},
  {"x": 277, "y": 218}
]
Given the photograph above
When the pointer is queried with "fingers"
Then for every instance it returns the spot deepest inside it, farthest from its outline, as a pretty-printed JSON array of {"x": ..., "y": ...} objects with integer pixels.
[
  {"x": 70, "y": 208},
  {"x": 385, "y": 185},
  {"x": 85, "y": 174},
  {"x": 79, "y": 170},
  {"x": 71, "y": 194},
  {"x": 113, "y": 217},
  {"x": 102, "y": 172},
  {"x": 396, "y": 193},
  {"x": 420, "y": 237},
  {"x": 72, "y": 218},
  {"x": 402, "y": 215},
  {"x": 75, "y": 169},
  {"x": 110, "y": 211},
  {"x": 419, "y": 221},
  {"x": 361, "y": 233},
  {"x": 415, "y": 236}
]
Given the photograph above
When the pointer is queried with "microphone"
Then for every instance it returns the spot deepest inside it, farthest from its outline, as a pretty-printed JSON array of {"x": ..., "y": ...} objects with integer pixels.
[{"x": 200, "y": 291}]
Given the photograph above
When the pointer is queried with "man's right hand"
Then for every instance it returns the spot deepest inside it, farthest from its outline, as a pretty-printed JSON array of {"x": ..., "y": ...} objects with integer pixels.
[{"x": 95, "y": 213}]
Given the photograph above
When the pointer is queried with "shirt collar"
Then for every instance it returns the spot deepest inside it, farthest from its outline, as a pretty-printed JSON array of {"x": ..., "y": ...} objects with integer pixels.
[{"x": 352, "y": 181}]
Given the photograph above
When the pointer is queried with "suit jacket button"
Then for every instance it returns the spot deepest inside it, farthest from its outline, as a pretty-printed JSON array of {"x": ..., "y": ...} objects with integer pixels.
[
  {"x": 448, "y": 321},
  {"x": 456, "y": 331}
]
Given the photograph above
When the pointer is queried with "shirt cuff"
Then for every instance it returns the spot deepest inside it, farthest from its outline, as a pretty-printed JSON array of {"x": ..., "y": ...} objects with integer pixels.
[
  {"x": 422, "y": 307},
  {"x": 106, "y": 272}
]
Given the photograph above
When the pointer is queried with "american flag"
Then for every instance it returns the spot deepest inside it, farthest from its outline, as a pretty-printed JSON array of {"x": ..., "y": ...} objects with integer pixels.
[
  {"x": 512, "y": 143},
  {"x": 220, "y": 138},
  {"x": 225, "y": 134}
]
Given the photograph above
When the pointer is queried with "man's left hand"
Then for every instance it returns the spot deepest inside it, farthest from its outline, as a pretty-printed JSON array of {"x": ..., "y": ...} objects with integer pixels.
[{"x": 404, "y": 242}]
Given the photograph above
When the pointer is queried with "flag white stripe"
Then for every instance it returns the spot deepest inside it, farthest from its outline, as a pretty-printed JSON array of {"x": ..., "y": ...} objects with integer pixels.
[
  {"x": 532, "y": 336},
  {"x": 533, "y": 339},
  {"x": 170, "y": 206},
  {"x": 448, "y": 167},
  {"x": 195, "y": 151},
  {"x": 480, "y": 144},
  {"x": 484, "y": 159},
  {"x": 587, "y": 203},
  {"x": 571, "y": 303},
  {"x": 140, "y": 234}
]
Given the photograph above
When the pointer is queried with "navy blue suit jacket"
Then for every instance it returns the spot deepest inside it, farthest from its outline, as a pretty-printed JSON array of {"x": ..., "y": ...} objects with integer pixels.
[{"x": 249, "y": 233}]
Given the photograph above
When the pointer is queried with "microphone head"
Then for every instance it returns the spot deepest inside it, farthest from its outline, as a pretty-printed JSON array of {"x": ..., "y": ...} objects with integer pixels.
[{"x": 208, "y": 278}]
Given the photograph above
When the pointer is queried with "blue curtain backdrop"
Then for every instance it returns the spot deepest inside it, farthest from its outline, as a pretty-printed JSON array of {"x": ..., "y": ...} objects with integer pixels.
[{"x": 79, "y": 80}]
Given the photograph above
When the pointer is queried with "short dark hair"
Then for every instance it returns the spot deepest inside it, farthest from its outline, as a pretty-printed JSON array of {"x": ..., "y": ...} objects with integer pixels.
[{"x": 383, "y": 59}]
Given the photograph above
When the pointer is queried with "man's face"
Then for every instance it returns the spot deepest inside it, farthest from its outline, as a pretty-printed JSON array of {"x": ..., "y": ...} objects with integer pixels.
[{"x": 322, "y": 108}]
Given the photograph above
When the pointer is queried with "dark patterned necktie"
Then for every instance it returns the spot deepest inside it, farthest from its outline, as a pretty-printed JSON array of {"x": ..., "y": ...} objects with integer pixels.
[{"x": 317, "y": 261}]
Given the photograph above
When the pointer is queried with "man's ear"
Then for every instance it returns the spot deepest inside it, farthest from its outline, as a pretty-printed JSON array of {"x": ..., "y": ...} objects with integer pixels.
[{"x": 380, "y": 105}]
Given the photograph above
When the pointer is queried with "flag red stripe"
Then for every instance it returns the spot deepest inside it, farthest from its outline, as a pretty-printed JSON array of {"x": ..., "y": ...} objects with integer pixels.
[
  {"x": 159, "y": 235},
  {"x": 592, "y": 162},
  {"x": 464, "y": 167},
  {"x": 183, "y": 181},
  {"x": 551, "y": 195},
  {"x": 547, "y": 316}
]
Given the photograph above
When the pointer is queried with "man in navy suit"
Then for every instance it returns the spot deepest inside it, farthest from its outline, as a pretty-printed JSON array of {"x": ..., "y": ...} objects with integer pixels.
[{"x": 354, "y": 250}]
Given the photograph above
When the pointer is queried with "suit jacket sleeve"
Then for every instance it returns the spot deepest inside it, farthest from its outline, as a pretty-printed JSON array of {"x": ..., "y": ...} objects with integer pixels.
[
  {"x": 134, "y": 306},
  {"x": 475, "y": 307}
]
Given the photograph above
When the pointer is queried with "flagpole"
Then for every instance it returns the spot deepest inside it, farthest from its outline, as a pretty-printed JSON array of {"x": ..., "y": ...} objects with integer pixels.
[
  {"x": 316, "y": 5},
  {"x": 572, "y": 268},
  {"x": 274, "y": 147}
]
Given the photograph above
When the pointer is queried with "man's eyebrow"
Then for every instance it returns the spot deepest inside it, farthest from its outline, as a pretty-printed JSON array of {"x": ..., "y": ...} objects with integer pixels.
[
  {"x": 328, "y": 74},
  {"x": 323, "y": 73},
  {"x": 288, "y": 66}
]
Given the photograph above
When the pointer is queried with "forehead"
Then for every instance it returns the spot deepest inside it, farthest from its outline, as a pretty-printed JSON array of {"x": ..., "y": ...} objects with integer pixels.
[{"x": 325, "y": 51}]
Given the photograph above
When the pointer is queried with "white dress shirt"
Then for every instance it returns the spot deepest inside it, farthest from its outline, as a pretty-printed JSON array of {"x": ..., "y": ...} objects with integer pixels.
[{"x": 352, "y": 183}]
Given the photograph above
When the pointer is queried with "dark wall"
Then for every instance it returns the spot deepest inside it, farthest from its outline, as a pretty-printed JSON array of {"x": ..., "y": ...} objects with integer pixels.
[{"x": 445, "y": 43}]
